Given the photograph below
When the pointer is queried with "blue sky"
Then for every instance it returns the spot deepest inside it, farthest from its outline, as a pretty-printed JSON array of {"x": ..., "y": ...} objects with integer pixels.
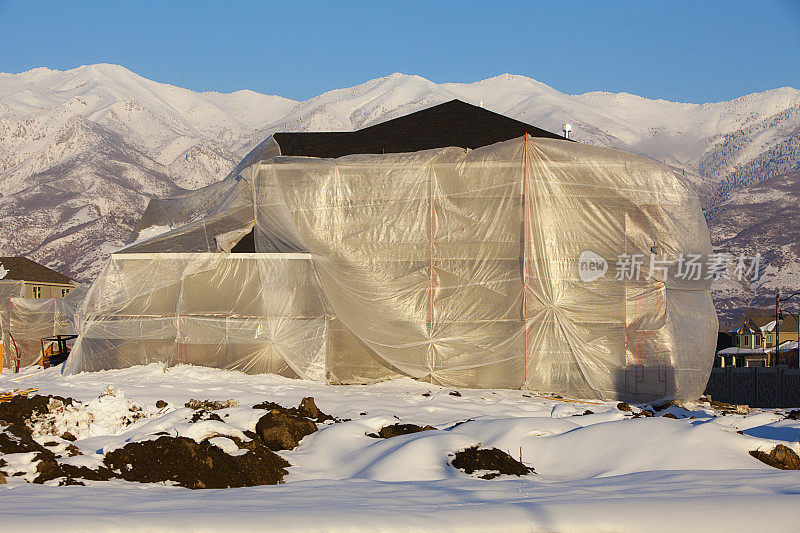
[{"x": 692, "y": 51}]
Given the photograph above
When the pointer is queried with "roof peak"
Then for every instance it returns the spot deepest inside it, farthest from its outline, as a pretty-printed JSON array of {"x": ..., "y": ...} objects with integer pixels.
[{"x": 452, "y": 123}]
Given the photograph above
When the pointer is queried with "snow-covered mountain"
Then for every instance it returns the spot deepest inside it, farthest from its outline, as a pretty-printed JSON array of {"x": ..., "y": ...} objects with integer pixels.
[
  {"x": 762, "y": 218},
  {"x": 82, "y": 150}
]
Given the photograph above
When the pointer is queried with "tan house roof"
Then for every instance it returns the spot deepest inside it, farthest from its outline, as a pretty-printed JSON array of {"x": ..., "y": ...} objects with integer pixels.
[{"x": 23, "y": 269}]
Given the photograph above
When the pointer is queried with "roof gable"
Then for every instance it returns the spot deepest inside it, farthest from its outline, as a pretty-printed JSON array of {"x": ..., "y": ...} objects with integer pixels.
[
  {"x": 453, "y": 123},
  {"x": 23, "y": 269}
]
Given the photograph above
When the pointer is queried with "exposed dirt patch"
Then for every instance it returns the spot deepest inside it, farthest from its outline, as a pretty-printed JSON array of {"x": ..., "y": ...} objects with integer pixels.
[
  {"x": 495, "y": 462},
  {"x": 282, "y": 428},
  {"x": 166, "y": 459},
  {"x": 196, "y": 465},
  {"x": 781, "y": 457},
  {"x": 794, "y": 414},
  {"x": 307, "y": 409},
  {"x": 727, "y": 408},
  {"x": 48, "y": 468},
  {"x": 279, "y": 430},
  {"x": 624, "y": 406},
  {"x": 16, "y": 438},
  {"x": 211, "y": 405},
  {"x": 395, "y": 430},
  {"x": 202, "y": 415},
  {"x": 665, "y": 405},
  {"x": 21, "y": 408}
]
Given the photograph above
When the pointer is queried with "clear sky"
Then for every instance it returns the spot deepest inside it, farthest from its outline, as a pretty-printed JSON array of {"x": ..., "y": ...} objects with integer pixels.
[{"x": 691, "y": 51}]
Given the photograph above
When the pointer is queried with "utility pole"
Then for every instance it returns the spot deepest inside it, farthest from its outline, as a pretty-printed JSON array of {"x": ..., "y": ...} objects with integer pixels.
[{"x": 777, "y": 324}]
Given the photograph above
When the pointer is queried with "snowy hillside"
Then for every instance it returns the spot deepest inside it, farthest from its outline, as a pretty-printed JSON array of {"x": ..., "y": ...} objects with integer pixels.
[
  {"x": 761, "y": 218},
  {"x": 596, "y": 466},
  {"x": 81, "y": 151}
]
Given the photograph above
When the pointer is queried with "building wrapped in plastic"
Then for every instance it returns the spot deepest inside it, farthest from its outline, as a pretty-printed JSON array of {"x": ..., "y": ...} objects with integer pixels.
[
  {"x": 25, "y": 317},
  {"x": 8, "y": 290},
  {"x": 524, "y": 263}
]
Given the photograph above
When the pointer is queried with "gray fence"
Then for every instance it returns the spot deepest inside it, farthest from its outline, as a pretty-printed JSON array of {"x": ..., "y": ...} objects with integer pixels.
[{"x": 755, "y": 386}]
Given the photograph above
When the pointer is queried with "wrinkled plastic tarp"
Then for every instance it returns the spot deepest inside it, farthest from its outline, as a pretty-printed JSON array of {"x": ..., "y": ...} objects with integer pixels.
[
  {"x": 458, "y": 267},
  {"x": 8, "y": 289},
  {"x": 32, "y": 320}
]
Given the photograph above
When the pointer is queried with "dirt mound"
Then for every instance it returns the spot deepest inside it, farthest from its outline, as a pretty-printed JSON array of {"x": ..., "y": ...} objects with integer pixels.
[
  {"x": 395, "y": 430},
  {"x": 306, "y": 409},
  {"x": 781, "y": 457},
  {"x": 495, "y": 462},
  {"x": 16, "y": 438},
  {"x": 211, "y": 405},
  {"x": 282, "y": 431},
  {"x": 21, "y": 408},
  {"x": 196, "y": 465},
  {"x": 166, "y": 458}
]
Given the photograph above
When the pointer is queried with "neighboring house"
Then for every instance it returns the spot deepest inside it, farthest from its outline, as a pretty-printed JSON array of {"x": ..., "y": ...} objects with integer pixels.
[
  {"x": 754, "y": 342},
  {"x": 759, "y": 331},
  {"x": 40, "y": 281}
]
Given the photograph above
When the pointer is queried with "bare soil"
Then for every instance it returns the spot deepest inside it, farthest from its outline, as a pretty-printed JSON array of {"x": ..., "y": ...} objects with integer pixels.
[{"x": 496, "y": 462}]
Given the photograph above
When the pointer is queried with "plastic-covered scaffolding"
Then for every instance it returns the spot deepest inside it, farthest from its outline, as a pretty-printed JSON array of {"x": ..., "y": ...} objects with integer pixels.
[
  {"x": 24, "y": 322},
  {"x": 8, "y": 289},
  {"x": 458, "y": 267}
]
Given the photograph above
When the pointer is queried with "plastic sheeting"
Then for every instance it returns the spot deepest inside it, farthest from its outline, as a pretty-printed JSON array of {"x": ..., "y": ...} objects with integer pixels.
[
  {"x": 31, "y": 320},
  {"x": 8, "y": 290},
  {"x": 458, "y": 267},
  {"x": 242, "y": 312}
]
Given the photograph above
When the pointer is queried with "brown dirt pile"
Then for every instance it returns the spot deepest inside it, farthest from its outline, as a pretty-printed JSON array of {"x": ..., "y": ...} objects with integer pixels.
[
  {"x": 496, "y": 462},
  {"x": 781, "y": 457}
]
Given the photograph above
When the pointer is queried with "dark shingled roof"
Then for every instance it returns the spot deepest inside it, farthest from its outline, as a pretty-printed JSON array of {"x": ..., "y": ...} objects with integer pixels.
[
  {"x": 23, "y": 269},
  {"x": 454, "y": 123}
]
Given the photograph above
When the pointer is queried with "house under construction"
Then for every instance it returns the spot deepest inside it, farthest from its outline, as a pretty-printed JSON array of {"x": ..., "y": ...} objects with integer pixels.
[{"x": 445, "y": 245}]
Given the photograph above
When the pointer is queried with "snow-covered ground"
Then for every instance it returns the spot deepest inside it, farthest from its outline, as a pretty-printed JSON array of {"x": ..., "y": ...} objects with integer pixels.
[{"x": 604, "y": 471}]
